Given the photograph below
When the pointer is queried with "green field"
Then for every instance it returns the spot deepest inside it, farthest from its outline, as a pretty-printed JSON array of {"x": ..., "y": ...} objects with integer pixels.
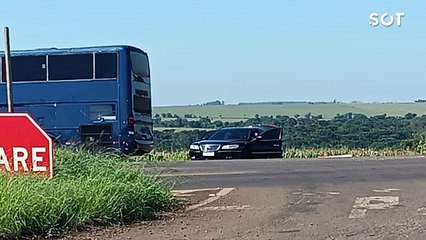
[{"x": 327, "y": 110}]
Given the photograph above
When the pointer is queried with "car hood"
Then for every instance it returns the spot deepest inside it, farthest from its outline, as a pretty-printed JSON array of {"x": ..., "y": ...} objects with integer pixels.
[{"x": 221, "y": 142}]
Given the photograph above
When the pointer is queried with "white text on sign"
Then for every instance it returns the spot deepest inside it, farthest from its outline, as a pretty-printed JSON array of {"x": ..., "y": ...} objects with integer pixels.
[{"x": 20, "y": 156}]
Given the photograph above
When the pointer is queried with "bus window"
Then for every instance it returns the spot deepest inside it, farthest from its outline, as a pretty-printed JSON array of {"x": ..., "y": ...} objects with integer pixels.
[
  {"x": 140, "y": 67},
  {"x": 28, "y": 68},
  {"x": 71, "y": 67},
  {"x": 142, "y": 104},
  {"x": 140, "y": 83},
  {"x": 105, "y": 65}
]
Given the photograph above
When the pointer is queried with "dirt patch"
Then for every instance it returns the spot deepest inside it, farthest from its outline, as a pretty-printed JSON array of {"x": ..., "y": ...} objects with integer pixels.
[{"x": 176, "y": 225}]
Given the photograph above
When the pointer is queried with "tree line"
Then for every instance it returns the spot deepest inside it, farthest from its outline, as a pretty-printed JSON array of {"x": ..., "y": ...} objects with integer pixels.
[{"x": 309, "y": 131}]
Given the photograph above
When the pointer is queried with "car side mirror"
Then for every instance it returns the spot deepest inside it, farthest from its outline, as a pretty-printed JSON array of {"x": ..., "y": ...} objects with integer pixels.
[{"x": 258, "y": 137}]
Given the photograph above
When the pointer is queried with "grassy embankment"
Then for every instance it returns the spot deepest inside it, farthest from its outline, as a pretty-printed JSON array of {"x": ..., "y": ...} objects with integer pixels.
[
  {"x": 325, "y": 152},
  {"x": 179, "y": 156},
  {"x": 86, "y": 190}
]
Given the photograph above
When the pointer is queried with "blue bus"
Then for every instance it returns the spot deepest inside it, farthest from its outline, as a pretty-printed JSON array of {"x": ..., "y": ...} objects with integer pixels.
[{"x": 99, "y": 95}]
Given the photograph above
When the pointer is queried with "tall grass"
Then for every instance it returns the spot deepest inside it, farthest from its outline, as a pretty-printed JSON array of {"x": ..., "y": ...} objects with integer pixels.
[
  {"x": 164, "y": 156},
  {"x": 324, "y": 152},
  {"x": 86, "y": 190},
  {"x": 178, "y": 156}
]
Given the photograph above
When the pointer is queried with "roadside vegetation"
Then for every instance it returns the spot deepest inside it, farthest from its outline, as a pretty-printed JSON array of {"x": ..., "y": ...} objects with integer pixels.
[
  {"x": 87, "y": 190},
  {"x": 163, "y": 156},
  {"x": 325, "y": 152},
  {"x": 182, "y": 155}
]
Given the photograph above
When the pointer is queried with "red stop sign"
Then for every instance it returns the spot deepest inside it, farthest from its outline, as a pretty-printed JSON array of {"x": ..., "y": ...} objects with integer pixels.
[{"x": 24, "y": 146}]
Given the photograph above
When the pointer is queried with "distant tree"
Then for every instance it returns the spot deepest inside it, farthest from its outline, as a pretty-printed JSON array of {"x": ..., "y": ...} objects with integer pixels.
[
  {"x": 308, "y": 116},
  {"x": 410, "y": 116},
  {"x": 217, "y": 102},
  {"x": 218, "y": 124}
]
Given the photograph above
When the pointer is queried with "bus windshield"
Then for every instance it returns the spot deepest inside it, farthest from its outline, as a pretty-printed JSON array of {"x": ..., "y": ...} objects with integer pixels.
[
  {"x": 141, "y": 96},
  {"x": 140, "y": 66}
]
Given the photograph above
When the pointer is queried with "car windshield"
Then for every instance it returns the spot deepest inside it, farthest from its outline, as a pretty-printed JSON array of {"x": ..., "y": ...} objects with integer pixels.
[{"x": 231, "y": 134}]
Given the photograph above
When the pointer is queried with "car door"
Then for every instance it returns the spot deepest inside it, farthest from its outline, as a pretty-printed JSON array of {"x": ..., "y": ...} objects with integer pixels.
[{"x": 268, "y": 144}]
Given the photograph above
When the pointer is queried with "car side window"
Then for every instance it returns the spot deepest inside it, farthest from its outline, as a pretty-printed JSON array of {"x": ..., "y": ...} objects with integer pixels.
[{"x": 272, "y": 134}]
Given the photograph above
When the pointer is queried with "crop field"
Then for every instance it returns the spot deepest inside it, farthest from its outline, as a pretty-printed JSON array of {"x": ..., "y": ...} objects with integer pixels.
[
  {"x": 175, "y": 129},
  {"x": 232, "y": 113}
]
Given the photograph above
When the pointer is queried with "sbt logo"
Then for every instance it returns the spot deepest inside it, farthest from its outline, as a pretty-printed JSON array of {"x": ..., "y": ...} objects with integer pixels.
[{"x": 386, "y": 19}]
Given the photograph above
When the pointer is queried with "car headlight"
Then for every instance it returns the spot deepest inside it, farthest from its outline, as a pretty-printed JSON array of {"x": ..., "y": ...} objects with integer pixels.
[
  {"x": 230, "y": 147},
  {"x": 194, "y": 147}
]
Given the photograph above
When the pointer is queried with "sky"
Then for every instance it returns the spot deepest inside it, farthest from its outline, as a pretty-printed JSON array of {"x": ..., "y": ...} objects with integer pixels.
[{"x": 244, "y": 50}]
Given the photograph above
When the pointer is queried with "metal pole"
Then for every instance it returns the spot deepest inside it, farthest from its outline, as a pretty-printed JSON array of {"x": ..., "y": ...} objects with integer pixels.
[{"x": 8, "y": 71}]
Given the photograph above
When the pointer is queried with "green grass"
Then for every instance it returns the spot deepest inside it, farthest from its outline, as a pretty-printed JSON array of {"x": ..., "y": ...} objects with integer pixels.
[
  {"x": 163, "y": 156},
  {"x": 179, "y": 156},
  {"x": 242, "y": 112},
  {"x": 324, "y": 152},
  {"x": 86, "y": 190}
]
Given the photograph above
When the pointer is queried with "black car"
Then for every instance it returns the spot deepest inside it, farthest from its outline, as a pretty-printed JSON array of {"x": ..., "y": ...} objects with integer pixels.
[{"x": 239, "y": 142}]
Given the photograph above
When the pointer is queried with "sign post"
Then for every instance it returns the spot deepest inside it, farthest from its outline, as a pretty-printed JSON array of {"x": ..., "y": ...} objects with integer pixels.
[
  {"x": 8, "y": 70},
  {"x": 24, "y": 146}
]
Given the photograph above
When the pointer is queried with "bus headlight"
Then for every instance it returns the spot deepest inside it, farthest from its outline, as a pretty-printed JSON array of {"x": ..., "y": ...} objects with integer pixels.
[
  {"x": 194, "y": 147},
  {"x": 230, "y": 147}
]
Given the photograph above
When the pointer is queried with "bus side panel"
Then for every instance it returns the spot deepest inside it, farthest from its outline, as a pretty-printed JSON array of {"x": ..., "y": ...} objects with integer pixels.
[
  {"x": 124, "y": 102},
  {"x": 64, "y": 92},
  {"x": 60, "y": 107}
]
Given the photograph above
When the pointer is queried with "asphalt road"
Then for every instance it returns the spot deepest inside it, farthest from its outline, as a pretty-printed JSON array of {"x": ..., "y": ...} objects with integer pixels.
[
  {"x": 294, "y": 172},
  {"x": 369, "y": 198},
  {"x": 296, "y": 199}
]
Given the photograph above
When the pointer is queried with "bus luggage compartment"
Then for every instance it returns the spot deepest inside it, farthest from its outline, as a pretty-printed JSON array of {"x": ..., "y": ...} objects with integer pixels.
[{"x": 98, "y": 135}]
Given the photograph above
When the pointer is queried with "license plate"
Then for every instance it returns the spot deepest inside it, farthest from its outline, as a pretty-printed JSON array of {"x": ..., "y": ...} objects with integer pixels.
[{"x": 208, "y": 154}]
